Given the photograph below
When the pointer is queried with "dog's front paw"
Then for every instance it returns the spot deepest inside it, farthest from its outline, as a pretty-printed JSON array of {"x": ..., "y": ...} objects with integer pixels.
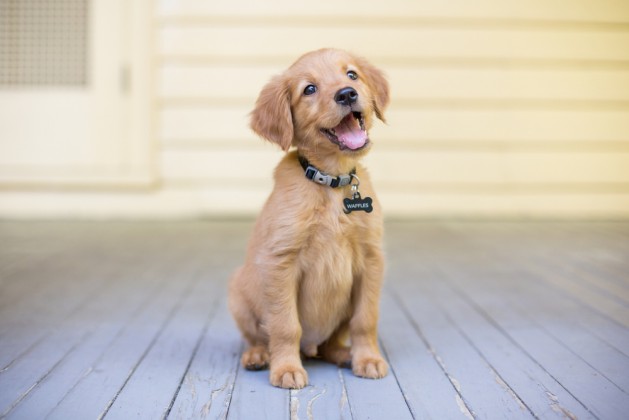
[
  {"x": 374, "y": 367},
  {"x": 289, "y": 376}
]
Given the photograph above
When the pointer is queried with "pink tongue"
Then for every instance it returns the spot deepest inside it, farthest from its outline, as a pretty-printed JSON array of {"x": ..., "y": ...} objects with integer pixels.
[{"x": 349, "y": 133}]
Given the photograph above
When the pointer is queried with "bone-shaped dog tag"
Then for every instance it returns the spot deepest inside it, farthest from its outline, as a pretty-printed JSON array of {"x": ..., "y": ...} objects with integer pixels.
[{"x": 357, "y": 203}]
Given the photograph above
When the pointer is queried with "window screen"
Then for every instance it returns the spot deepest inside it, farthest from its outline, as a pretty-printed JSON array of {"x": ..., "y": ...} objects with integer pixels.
[{"x": 43, "y": 42}]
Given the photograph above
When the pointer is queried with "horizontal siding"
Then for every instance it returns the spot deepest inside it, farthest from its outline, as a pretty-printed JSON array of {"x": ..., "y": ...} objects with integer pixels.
[
  {"x": 194, "y": 84},
  {"x": 497, "y": 108},
  {"x": 215, "y": 200},
  {"x": 219, "y": 124},
  {"x": 555, "y": 10},
  {"x": 248, "y": 40},
  {"x": 417, "y": 168}
]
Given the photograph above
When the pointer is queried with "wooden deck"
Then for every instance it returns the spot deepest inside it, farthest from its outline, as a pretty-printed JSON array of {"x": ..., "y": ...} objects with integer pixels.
[{"x": 478, "y": 320}]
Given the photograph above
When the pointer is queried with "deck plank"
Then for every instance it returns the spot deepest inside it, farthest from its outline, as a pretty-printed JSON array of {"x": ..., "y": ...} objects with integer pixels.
[
  {"x": 427, "y": 389},
  {"x": 253, "y": 397},
  {"x": 30, "y": 321},
  {"x": 25, "y": 251},
  {"x": 585, "y": 319},
  {"x": 597, "y": 277},
  {"x": 596, "y": 299},
  {"x": 375, "y": 398},
  {"x": 326, "y": 395},
  {"x": 208, "y": 384}
]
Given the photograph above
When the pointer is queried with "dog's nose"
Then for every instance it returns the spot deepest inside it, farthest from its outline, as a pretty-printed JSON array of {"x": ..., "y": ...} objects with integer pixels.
[{"x": 346, "y": 96}]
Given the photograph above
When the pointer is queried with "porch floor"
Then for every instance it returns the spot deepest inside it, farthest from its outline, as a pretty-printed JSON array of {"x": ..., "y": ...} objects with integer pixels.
[{"x": 478, "y": 320}]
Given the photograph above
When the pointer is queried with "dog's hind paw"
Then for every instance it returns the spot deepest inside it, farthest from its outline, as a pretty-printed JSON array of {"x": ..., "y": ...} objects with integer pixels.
[
  {"x": 370, "y": 367},
  {"x": 340, "y": 356},
  {"x": 255, "y": 358}
]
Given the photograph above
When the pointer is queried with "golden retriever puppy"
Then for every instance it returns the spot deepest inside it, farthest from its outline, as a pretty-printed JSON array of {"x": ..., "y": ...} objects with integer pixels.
[{"x": 314, "y": 266}]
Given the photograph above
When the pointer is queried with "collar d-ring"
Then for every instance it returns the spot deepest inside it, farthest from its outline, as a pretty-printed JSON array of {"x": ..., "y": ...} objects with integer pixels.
[{"x": 357, "y": 184}]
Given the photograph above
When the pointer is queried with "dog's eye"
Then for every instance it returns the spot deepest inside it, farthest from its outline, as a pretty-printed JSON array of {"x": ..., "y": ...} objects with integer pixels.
[
  {"x": 352, "y": 75},
  {"x": 310, "y": 89}
]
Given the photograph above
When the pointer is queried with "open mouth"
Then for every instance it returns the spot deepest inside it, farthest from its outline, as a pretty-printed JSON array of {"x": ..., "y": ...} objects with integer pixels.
[{"x": 350, "y": 133}]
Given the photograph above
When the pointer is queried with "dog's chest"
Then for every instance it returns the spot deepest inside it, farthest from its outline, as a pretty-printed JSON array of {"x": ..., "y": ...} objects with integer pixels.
[
  {"x": 328, "y": 263},
  {"x": 330, "y": 245},
  {"x": 333, "y": 237}
]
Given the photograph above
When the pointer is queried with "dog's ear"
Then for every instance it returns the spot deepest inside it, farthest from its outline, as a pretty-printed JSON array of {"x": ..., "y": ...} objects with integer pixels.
[
  {"x": 378, "y": 85},
  {"x": 271, "y": 118}
]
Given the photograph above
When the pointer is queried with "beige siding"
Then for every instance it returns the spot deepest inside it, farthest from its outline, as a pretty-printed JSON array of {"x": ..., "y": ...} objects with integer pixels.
[{"x": 498, "y": 108}]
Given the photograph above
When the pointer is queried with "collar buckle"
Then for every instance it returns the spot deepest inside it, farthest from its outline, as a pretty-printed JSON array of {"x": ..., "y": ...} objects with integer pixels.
[{"x": 322, "y": 178}]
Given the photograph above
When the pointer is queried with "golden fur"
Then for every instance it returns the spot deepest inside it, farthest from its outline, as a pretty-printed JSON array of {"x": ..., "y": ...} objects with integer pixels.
[{"x": 312, "y": 275}]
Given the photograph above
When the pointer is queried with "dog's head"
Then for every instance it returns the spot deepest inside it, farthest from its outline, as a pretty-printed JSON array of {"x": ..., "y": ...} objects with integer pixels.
[{"x": 325, "y": 101}]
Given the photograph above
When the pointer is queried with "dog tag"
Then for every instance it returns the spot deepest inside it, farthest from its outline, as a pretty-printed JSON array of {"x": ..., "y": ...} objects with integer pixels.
[{"x": 357, "y": 203}]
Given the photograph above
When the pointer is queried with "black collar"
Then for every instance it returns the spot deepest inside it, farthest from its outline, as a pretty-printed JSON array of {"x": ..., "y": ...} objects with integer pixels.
[{"x": 322, "y": 178}]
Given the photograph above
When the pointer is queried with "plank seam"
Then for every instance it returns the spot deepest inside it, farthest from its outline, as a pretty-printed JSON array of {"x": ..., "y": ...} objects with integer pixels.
[
  {"x": 432, "y": 352},
  {"x": 209, "y": 318},
  {"x": 344, "y": 394},
  {"x": 106, "y": 285},
  {"x": 536, "y": 275},
  {"x": 584, "y": 280},
  {"x": 236, "y": 374},
  {"x": 386, "y": 355}
]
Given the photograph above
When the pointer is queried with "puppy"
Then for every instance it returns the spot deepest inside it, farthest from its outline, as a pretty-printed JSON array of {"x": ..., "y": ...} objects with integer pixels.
[{"x": 314, "y": 266}]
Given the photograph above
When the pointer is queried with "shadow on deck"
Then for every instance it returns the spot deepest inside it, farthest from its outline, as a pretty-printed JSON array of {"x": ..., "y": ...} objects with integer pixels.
[{"x": 478, "y": 320}]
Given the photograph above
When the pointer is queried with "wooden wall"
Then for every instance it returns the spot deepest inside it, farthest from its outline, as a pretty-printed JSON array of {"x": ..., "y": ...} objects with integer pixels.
[
  {"x": 517, "y": 109},
  {"x": 498, "y": 107}
]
